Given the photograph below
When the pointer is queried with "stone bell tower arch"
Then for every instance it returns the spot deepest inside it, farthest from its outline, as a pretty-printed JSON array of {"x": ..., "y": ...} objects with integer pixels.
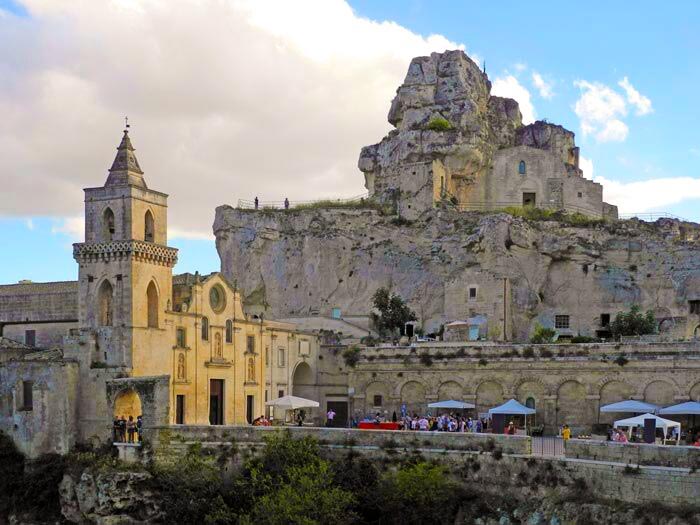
[{"x": 125, "y": 265}]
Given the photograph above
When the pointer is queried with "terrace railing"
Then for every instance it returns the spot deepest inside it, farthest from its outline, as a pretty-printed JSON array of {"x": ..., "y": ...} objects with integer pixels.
[{"x": 322, "y": 203}]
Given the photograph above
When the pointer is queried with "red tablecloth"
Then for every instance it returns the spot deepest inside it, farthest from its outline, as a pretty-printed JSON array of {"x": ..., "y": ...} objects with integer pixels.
[{"x": 369, "y": 425}]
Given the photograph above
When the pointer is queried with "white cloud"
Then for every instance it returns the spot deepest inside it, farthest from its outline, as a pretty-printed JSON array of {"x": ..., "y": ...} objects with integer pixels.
[
  {"x": 520, "y": 67},
  {"x": 510, "y": 87},
  {"x": 228, "y": 99},
  {"x": 600, "y": 109},
  {"x": 634, "y": 97},
  {"x": 29, "y": 223},
  {"x": 586, "y": 165},
  {"x": 73, "y": 227},
  {"x": 653, "y": 194},
  {"x": 543, "y": 87}
]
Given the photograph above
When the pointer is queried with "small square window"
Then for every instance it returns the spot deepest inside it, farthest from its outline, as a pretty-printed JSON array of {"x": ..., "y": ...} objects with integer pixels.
[
  {"x": 580, "y": 195},
  {"x": 472, "y": 293},
  {"x": 280, "y": 393},
  {"x": 377, "y": 401},
  {"x": 561, "y": 321},
  {"x": 604, "y": 320},
  {"x": 694, "y": 307},
  {"x": 250, "y": 344}
]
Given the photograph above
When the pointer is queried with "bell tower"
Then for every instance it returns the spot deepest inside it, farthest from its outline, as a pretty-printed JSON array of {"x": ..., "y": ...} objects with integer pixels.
[{"x": 125, "y": 265}]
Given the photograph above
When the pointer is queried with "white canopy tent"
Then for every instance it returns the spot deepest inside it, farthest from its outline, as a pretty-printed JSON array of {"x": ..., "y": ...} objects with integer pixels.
[
  {"x": 513, "y": 408},
  {"x": 292, "y": 403},
  {"x": 451, "y": 404},
  {"x": 689, "y": 407},
  {"x": 638, "y": 421},
  {"x": 630, "y": 405}
]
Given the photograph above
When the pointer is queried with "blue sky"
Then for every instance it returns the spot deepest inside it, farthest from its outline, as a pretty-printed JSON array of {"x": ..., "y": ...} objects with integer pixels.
[{"x": 584, "y": 55}]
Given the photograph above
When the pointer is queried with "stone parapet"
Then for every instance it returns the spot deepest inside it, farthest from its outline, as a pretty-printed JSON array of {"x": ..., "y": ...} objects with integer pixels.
[
  {"x": 163, "y": 436},
  {"x": 633, "y": 453},
  {"x": 142, "y": 251}
]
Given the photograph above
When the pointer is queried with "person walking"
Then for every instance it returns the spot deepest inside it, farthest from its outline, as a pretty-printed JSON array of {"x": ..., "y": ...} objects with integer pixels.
[
  {"x": 115, "y": 429},
  {"x": 286, "y": 203},
  {"x": 256, "y": 202},
  {"x": 139, "y": 426},
  {"x": 330, "y": 416}
]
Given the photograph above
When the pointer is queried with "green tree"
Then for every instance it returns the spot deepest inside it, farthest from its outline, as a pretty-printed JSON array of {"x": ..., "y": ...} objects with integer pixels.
[
  {"x": 542, "y": 335},
  {"x": 419, "y": 494},
  {"x": 633, "y": 323},
  {"x": 393, "y": 312},
  {"x": 307, "y": 496}
]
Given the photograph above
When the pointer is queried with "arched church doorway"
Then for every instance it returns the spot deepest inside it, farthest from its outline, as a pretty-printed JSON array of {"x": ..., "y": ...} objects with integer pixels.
[
  {"x": 303, "y": 382},
  {"x": 127, "y": 409}
]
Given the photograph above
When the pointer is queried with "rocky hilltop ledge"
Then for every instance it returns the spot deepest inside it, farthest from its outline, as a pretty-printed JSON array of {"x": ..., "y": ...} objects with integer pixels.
[{"x": 433, "y": 227}]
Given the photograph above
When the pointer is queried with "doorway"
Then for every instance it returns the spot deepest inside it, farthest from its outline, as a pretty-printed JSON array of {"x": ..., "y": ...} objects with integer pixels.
[
  {"x": 341, "y": 413},
  {"x": 249, "y": 409},
  {"x": 529, "y": 199},
  {"x": 180, "y": 409},
  {"x": 216, "y": 401}
]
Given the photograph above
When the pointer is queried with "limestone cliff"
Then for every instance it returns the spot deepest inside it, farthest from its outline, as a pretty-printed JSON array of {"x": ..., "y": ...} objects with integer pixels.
[
  {"x": 454, "y": 143},
  {"x": 302, "y": 262}
]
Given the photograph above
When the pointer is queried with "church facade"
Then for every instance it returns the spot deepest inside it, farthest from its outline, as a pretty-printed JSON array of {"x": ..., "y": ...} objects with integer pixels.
[{"x": 137, "y": 340}]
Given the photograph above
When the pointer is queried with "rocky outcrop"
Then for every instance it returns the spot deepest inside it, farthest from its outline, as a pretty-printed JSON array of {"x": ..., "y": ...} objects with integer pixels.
[
  {"x": 109, "y": 498},
  {"x": 296, "y": 263}
]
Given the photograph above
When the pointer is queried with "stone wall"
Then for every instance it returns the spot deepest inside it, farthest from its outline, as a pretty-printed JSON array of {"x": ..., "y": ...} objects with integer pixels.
[
  {"x": 49, "y": 424},
  {"x": 634, "y": 453},
  {"x": 179, "y": 436},
  {"x": 513, "y": 473},
  {"x": 566, "y": 383},
  {"x": 50, "y": 309}
]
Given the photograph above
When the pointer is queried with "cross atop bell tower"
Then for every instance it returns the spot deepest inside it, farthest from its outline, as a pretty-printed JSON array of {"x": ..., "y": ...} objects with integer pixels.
[{"x": 125, "y": 168}]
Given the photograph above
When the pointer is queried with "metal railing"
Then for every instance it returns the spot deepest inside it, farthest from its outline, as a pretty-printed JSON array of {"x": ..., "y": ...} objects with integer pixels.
[
  {"x": 547, "y": 446},
  {"x": 496, "y": 206},
  {"x": 281, "y": 205},
  {"x": 652, "y": 216}
]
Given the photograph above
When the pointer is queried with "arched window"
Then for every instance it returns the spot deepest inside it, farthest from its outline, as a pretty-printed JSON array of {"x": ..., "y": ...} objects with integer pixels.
[
  {"x": 522, "y": 168},
  {"x": 205, "y": 328},
  {"x": 104, "y": 298},
  {"x": 530, "y": 402},
  {"x": 152, "y": 299},
  {"x": 229, "y": 331},
  {"x": 107, "y": 225},
  {"x": 148, "y": 227}
]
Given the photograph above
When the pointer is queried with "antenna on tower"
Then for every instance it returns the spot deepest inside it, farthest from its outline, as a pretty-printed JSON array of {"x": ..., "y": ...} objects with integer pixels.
[
  {"x": 126, "y": 123},
  {"x": 484, "y": 67}
]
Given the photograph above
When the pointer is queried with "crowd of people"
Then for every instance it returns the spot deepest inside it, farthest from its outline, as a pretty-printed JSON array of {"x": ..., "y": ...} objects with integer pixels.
[
  {"x": 441, "y": 423},
  {"x": 127, "y": 430}
]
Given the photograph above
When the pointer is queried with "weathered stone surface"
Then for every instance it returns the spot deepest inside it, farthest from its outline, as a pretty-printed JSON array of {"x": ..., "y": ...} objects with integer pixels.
[
  {"x": 109, "y": 498},
  {"x": 323, "y": 259}
]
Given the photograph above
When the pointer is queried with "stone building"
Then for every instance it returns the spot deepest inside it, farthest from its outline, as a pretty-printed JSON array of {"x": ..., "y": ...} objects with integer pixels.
[
  {"x": 565, "y": 384},
  {"x": 38, "y": 314},
  {"x": 454, "y": 143},
  {"x": 134, "y": 340}
]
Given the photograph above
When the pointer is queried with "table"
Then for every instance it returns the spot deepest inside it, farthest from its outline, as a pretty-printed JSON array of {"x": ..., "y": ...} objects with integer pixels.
[{"x": 370, "y": 425}]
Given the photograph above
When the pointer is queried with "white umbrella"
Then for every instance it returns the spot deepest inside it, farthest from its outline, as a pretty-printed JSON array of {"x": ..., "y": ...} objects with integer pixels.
[
  {"x": 630, "y": 405},
  {"x": 638, "y": 421},
  {"x": 451, "y": 404},
  {"x": 689, "y": 407},
  {"x": 292, "y": 403}
]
